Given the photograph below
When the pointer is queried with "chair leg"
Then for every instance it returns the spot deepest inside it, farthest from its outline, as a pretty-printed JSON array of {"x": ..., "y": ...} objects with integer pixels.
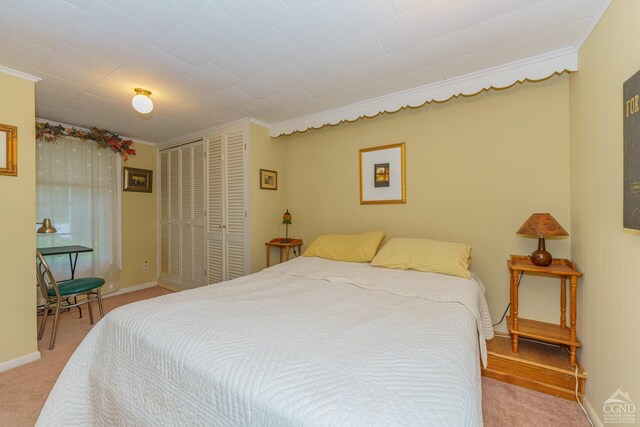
[
  {"x": 90, "y": 309},
  {"x": 100, "y": 303},
  {"x": 55, "y": 326},
  {"x": 44, "y": 320},
  {"x": 75, "y": 301}
]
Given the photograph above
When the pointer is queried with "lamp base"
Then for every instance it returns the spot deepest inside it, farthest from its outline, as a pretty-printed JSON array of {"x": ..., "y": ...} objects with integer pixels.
[{"x": 540, "y": 256}]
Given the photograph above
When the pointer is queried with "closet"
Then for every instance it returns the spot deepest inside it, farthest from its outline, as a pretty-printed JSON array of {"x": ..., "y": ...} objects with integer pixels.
[{"x": 203, "y": 210}]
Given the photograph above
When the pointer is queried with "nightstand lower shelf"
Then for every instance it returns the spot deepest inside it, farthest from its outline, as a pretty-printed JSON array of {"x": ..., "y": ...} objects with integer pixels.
[
  {"x": 543, "y": 331},
  {"x": 537, "y": 366}
]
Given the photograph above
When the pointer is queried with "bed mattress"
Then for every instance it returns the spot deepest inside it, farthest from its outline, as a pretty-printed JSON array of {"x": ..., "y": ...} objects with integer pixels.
[{"x": 307, "y": 342}]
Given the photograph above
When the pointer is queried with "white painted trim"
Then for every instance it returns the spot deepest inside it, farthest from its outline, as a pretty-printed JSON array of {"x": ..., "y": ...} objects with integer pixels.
[
  {"x": 259, "y": 122},
  {"x": 246, "y": 159},
  {"x": 130, "y": 289},
  {"x": 19, "y": 361},
  {"x": 20, "y": 74},
  {"x": 594, "y": 21},
  {"x": 200, "y": 134},
  {"x": 593, "y": 415},
  {"x": 534, "y": 68}
]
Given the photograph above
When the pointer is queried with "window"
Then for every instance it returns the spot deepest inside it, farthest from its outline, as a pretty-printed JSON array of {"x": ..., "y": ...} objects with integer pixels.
[{"x": 77, "y": 186}]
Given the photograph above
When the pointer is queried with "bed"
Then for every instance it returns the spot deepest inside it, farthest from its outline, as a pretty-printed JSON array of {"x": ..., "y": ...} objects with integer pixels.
[{"x": 307, "y": 342}]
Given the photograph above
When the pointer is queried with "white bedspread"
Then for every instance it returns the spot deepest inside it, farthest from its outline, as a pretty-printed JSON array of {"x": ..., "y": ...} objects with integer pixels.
[{"x": 307, "y": 342}]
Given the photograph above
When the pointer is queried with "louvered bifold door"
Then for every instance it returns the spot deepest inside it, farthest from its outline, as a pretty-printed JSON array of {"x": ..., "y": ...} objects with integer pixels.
[
  {"x": 235, "y": 204},
  {"x": 164, "y": 214},
  {"x": 198, "y": 222},
  {"x": 174, "y": 213},
  {"x": 192, "y": 267},
  {"x": 215, "y": 212},
  {"x": 186, "y": 202}
]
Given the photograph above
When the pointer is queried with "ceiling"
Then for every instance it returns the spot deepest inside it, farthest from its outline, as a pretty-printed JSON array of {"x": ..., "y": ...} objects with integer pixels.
[{"x": 210, "y": 62}]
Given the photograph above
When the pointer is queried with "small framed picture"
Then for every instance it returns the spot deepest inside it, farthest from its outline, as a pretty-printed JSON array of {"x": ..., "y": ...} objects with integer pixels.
[
  {"x": 8, "y": 150},
  {"x": 382, "y": 175},
  {"x": 268, "y": 179},
  {"x": 139, "y": 180}
]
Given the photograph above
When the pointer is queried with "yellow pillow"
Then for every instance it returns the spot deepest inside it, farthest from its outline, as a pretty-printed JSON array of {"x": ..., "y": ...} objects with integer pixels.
[
  {"x": 425, "y": 255},
  {"x": 346, "y": 247}
]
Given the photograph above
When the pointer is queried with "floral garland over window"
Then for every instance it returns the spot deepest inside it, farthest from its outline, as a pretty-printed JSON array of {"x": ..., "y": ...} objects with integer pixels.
[{"x": 104, "y": 138}]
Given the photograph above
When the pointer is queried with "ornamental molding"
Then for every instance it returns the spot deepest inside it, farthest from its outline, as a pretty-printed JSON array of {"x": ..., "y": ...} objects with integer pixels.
[
  {"x": 532, "y": 69},
  {"x": 20, "y": 74}
]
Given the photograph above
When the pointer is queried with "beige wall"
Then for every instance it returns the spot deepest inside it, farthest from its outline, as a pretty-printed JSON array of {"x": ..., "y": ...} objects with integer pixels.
[
  {"x": 17, "y": 225},
  {"x": 477, "y": 167},
  {"x": 608, "y": 254},
  {"x": 139, "y": 224},
  {"x": 267, "y": 206}
]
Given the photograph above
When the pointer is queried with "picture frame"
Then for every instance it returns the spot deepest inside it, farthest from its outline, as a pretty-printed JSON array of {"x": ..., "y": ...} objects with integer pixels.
[
  {"x": 631, "y": 152},
  {"x": 268, "y": 179},
  {"x": 8, "y": 150},
  {"x": 383, "y": 175},
  {"x": 137, "y": 180}
]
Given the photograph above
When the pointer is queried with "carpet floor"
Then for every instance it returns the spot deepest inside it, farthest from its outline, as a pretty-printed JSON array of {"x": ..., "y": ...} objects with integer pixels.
[{"x": 23, "y": 390}]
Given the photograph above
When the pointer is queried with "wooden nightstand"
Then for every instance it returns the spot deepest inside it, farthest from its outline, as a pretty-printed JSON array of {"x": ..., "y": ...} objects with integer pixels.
[
  {"x": 542, "y": 331},
  {"x": 278, "y": 243}
]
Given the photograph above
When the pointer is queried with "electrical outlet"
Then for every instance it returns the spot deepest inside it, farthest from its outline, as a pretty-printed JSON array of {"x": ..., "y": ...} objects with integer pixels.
[{"x": 145, "y": 264}]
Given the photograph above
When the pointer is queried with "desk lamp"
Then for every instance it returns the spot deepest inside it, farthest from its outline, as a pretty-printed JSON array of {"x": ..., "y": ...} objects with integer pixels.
[
  {"x": 46, "y": 228},
  {"x": 286, "y": 220}
]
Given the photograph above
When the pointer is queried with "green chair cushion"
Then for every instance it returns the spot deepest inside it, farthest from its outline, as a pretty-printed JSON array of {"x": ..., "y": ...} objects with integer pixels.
[{"x": 78, "y": 285}]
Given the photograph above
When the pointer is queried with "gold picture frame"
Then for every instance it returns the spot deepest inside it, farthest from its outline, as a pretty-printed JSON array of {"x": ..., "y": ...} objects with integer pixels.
[
  {"x": 8, "y": 150},
  {"x": 268, "y": 179},
  {"x": 138, "y": 180},
  {"x": 383, "y": 175}
]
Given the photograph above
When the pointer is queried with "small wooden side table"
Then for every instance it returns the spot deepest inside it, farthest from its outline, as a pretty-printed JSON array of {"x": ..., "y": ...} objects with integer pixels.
[
  {"x": 542, "y": 331},
  {"x": 280, "y": 243}
]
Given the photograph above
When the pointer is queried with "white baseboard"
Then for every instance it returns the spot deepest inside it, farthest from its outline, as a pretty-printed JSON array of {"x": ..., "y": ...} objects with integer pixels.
[
  {"x": 19, "y": 361},
  {"x": 130, "y": 289},
  {"x": 593, "y": 415}
]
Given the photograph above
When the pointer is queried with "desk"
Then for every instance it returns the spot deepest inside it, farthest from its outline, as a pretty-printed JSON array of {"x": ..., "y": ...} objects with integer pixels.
[
  {"x": 280, "y": 243},
  {"x": 63, "y": 250}
]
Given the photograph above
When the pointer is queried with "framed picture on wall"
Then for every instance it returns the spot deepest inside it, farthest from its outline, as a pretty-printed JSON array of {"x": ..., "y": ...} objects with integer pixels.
[
  {"x": 268, "y": 179},
  {"x": 382, "y": 175},
  {"x": 8, "y": 150},
  {"x": 138, "y": 180},
  {"x": 631, "y": 128}
]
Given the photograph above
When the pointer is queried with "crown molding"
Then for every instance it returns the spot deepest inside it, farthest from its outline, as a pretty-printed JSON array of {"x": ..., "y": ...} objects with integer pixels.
[
  {"x": 531, "y": 69},
  {"x": 200, "y": 134},
  {"x": 20, "y": 74}
]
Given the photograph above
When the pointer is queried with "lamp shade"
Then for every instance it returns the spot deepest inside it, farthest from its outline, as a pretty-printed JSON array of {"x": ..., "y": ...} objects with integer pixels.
[
  {"x": 286, "y": 218},
  {"x": 141, "y": 101},
  {"x": 47, "y": 227},
  {"x": 541, "y": 225}
]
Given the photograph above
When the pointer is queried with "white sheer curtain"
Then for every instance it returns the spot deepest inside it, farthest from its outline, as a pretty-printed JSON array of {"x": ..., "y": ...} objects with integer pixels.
[{"x": 77, "y": 186}]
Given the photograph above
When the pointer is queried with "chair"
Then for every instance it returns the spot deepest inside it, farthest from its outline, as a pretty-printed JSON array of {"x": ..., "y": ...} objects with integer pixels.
[{"x": 58, "y": 295}]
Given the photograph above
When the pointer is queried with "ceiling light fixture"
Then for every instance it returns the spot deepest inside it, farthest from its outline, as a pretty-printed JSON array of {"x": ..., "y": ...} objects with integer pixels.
[{"x": 141, "y": 101}]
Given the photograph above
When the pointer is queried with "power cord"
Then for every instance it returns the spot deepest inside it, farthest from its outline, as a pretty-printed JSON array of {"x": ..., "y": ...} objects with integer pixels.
[
  {"x": 575, "y": 373},
  {"x": 578, "y": 398},
  {"x": 509, "y": 305}
]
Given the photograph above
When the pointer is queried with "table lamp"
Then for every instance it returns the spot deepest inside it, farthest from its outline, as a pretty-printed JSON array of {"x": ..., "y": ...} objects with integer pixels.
[
  {"x": 541, "y": 225},
  {"x": 46, "y": 228},
  {"x": 286, "y": 220}
]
